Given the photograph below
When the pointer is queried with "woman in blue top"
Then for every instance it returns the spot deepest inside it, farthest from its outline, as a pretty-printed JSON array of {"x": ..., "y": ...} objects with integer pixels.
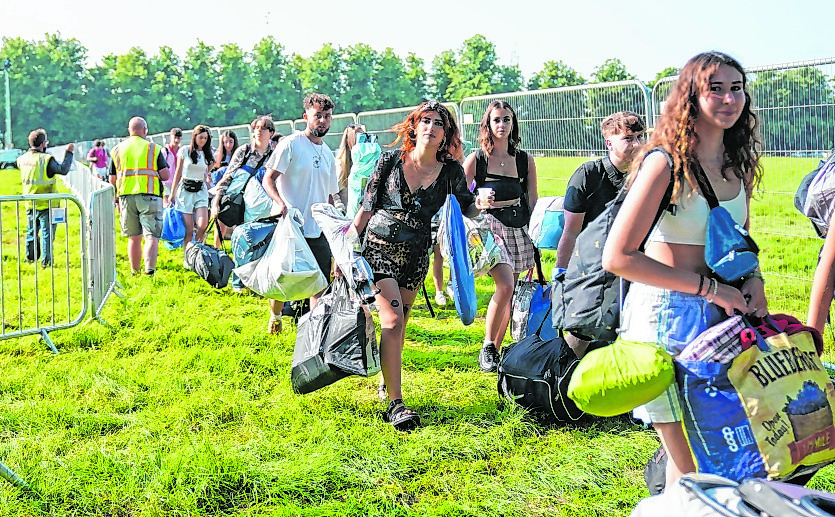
[{"x": 709, "y": 129}]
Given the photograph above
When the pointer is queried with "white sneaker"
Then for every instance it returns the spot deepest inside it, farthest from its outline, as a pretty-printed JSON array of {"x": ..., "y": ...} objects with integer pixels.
[
  {"x": 185, "y": 264},
  {"x": 440, "y": 299},
  {"x": 449, "y": 291}
]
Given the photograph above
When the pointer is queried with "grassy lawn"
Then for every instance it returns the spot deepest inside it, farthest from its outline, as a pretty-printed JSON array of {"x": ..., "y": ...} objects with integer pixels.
[{"x": 184, "y": 407}]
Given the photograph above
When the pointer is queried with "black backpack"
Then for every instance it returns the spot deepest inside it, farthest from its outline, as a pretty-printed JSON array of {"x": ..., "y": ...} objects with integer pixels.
[
  {"x": 212, "y": 265},
  {"x": 231, "y": 204},
  {"x": 535, "y": 374},
  {"x": 587, "y": 300}
]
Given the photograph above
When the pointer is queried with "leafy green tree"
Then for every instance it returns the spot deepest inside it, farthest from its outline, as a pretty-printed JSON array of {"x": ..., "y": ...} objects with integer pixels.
[
  {"x": 478, "y": 73},
  {"x": 443, "y": 69},
  {"x": 167, "y": 108},
  {"x": 47, "y": 83},
  {"x": 322, "y": 73},
  {"x": 795, "y": 108},
  {"x": 670, "y": 71},
  {"x": 610, "y": 71},
  {"x": 276, "y": 77},
  {"x": 200, "y": 78},
  {"x": 418, "y": 79},
  {"x": 235, "y": 85},
  {"x": 555, "y": 74},
  {"x": 130, "y": 77},
  {"x": 362, "y": 92}
]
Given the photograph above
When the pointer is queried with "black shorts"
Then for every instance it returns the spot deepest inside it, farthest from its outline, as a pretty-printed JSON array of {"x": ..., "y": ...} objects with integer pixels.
[{"x": 322, "y": 251}]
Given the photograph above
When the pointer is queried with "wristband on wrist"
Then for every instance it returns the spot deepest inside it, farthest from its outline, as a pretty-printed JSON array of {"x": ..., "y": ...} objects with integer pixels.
[
  {"x": 711, "y": 291},
  {"x": 701, "y": 284}
]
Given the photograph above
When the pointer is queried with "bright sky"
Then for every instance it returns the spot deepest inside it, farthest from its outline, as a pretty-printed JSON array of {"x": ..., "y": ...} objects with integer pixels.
[{"x": 647, "y": 35}]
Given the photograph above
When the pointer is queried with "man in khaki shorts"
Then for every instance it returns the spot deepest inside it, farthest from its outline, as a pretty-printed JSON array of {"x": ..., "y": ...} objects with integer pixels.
[{"x": 137, "y": 170}]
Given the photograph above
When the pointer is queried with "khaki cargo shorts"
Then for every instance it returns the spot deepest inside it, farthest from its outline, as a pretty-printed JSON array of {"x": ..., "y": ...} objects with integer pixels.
[{"x": 141, "y": 214}]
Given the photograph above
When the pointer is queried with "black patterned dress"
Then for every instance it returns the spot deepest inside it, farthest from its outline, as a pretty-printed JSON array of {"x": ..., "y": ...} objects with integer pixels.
[{"x": 408, "y": 262}]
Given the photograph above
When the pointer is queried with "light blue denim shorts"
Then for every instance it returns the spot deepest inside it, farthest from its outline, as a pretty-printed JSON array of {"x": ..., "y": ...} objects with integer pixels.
[{"x": 672, "y": 320}]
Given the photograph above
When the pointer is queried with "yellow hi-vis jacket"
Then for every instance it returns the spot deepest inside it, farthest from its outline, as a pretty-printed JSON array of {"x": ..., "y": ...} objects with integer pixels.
[
  {"x": 135, "y": 160},
  {"x": 32, "y": 167}
]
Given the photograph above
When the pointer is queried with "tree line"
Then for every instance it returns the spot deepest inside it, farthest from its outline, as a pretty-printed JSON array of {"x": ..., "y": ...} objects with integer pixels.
[{"x": 52, "y": 85}]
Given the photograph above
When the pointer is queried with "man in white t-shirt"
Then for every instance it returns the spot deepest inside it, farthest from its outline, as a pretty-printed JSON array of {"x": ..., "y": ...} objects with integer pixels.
[{"x": 301, "y": 172}]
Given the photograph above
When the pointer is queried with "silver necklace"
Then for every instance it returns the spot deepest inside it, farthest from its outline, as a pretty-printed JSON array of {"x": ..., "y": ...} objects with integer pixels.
[
  {"x": 319, "y": 158},
  {"x": 420, "y": 169}
]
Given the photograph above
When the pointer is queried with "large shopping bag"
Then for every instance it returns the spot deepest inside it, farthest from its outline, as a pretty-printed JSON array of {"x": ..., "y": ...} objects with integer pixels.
[
  {"x": 766, "y": 413},
  {"x": 288, "y": 269},
  {"x": 334, "y": 340},
  {"x": 460, "y": 272}
]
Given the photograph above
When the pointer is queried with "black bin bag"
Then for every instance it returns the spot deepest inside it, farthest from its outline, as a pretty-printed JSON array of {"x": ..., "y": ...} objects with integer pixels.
[{"x": 334, "y": 340}]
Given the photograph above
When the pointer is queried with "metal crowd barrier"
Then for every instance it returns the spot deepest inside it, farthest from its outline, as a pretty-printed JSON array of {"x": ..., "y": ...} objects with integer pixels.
[
  {"x": 38, "y": 299},
  {"x": 96, "y": 196}
]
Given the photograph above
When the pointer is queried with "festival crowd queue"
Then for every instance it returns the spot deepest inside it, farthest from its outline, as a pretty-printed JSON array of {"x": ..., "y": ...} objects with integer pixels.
[{"x": 707, "y": 137}]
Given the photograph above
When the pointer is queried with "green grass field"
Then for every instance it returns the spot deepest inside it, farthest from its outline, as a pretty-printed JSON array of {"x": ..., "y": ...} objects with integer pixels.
[{"x": 184, "y": 407}]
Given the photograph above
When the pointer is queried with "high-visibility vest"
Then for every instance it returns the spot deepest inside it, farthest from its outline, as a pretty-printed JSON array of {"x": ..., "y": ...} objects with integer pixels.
[
  {"x": 135, "y": 160},
  {"x": 32, "y": 167}
]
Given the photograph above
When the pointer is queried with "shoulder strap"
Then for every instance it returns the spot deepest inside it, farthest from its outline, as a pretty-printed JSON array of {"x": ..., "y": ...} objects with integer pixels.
[
  {"x": 480, "y": 166},
  {"x": 706, "y": 187}
]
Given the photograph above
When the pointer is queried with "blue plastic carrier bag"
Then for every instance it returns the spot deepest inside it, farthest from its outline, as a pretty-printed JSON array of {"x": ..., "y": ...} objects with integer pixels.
[
  {"x": 461, "y": 276},
  {"x": 173, "y": 229}
]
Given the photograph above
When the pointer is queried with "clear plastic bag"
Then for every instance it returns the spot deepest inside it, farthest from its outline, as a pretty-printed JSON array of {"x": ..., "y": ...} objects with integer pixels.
[{"x": 288, "y": 269}]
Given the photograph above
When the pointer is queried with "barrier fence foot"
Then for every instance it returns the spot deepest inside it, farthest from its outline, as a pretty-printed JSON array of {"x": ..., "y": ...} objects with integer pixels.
[
  {"x": 48, "y": 341},
  {"x": 11, "y": 477}
]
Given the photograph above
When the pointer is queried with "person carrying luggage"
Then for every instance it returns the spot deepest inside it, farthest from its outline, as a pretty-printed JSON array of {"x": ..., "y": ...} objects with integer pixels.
[{"x": 708, "y": 130}]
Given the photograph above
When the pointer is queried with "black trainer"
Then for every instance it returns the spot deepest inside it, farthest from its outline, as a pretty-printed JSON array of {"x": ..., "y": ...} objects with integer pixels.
[{"x": 488, "y": 358}]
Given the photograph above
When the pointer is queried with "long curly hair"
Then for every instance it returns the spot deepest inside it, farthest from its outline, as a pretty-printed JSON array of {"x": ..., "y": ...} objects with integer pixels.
[
  {"x": 676, "y": 130},
  {"x": 485, "y": 134},
  {"x": 451, "y": 147}
]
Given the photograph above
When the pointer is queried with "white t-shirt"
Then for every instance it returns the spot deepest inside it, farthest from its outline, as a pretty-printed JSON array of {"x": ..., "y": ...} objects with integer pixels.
[
  {"x": 192, "y": 171},
  {"x": 307, "y": 176}
]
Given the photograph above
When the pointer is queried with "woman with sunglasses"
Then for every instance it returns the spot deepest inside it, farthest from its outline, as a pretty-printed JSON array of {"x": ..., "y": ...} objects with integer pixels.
[{"x": 406, "y": 189}]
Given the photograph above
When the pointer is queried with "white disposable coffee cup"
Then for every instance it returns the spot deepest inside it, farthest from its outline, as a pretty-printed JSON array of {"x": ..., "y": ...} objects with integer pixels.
[{"x": 484, "y": 193}]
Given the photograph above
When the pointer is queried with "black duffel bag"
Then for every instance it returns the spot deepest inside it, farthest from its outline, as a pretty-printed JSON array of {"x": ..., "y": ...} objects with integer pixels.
[{"x": 535, "y": 374}]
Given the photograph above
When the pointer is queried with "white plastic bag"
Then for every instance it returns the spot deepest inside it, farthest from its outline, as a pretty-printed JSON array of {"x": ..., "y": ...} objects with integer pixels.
[{"x": 288, "y": 269}]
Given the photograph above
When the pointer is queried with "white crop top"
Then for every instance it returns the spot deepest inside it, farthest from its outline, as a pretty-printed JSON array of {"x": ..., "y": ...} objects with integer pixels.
[
  {"x": 689, "y": 225},
  {"x": 193, "y": 171}
]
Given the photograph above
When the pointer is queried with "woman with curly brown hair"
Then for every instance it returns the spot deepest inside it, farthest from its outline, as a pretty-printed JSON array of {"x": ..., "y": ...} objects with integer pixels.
[
  {"x": 511, "y": 173},
  {"x": 708, "y": 129},
  {"x": 405, "y": 190}
]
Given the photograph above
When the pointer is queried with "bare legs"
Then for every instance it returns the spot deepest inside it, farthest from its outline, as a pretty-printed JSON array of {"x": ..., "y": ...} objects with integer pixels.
[
  {"x": 679, "y": 457},
  {"x": 393, "y": 304},
  {"x": 136, "y": 252},
  {"x": 498, "y": 311}
]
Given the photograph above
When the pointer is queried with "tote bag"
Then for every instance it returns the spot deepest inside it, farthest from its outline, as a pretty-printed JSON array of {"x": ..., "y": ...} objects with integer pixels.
[{"x": 766, "y": 413}]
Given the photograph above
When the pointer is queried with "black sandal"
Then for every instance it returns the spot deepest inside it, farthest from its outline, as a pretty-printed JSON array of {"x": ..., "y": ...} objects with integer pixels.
[{"x": 401, "y": 417}]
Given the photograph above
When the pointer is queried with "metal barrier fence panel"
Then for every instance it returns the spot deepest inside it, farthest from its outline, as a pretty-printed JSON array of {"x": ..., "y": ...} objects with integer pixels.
[
  {"x": 380, "y": 122},
  {"x": 795, "y": 103},
  {"x": 37, "y": 299}
]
